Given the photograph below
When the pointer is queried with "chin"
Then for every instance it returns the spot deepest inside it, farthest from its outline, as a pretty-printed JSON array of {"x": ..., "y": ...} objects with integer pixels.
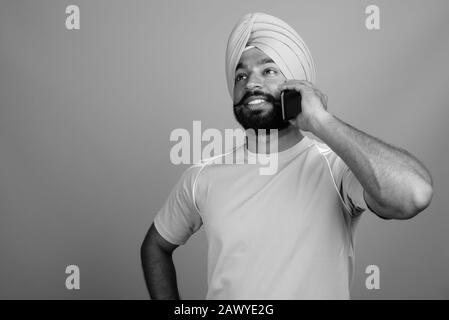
[{"x": 268, "y": 117}]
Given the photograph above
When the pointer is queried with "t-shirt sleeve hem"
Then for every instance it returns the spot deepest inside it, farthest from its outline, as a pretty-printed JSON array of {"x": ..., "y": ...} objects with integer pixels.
[
  {"x": 165, "y": 234},
  {"x": 372, "y": 210},
  {"x": 357, "y": 202}
]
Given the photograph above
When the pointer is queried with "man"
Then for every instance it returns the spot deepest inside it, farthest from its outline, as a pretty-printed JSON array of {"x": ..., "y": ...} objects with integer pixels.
[{"x": 288, "y": 235}]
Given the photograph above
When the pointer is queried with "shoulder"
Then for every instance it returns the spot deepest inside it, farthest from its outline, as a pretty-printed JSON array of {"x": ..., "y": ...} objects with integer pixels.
[
  {"x": 193, "y": 172},
  {"x": 335, "y": 164},
  {"x": 322, "y": 148},
  {"x": 326, "y": 151}
]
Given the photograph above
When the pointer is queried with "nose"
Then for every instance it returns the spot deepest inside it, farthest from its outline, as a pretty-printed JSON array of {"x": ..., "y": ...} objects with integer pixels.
[{"x": 254, "y": 82}]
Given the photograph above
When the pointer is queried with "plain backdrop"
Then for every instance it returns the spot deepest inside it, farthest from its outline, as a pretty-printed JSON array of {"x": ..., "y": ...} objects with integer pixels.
[{"x": 86, "y": 116}]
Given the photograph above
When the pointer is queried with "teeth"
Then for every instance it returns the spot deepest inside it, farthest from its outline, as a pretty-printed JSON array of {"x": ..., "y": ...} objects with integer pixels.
[{"x": 257, "y": 101}]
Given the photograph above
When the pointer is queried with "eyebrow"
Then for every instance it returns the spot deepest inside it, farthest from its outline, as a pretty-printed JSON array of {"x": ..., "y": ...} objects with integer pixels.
[{"x": 263, "y": 61}]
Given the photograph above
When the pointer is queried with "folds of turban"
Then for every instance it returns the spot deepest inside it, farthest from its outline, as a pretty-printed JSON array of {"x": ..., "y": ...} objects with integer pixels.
[{"x": 276, "y": 39}]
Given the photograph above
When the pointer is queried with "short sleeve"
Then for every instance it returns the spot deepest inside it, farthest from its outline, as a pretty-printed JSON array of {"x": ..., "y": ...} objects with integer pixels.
[
  {"x": 179, "y": 218},
  {"x": 349, "y": 187}
]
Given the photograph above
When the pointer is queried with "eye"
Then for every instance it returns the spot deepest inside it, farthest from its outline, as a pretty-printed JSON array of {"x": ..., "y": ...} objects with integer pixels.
[
  {"x": 240, "y": 77},
  {"x": 270, "y": 71}
]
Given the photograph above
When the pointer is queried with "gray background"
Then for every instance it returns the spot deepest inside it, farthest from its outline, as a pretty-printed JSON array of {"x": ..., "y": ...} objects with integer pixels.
[{"x": 85, "y": 119}]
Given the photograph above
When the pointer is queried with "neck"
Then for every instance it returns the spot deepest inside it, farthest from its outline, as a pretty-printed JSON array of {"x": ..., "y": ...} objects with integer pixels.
[{"x": 265, "y": 143}]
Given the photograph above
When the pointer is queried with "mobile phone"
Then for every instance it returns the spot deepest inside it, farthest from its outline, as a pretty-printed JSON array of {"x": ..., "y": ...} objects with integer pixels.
[{"x": 291, "y": 104}]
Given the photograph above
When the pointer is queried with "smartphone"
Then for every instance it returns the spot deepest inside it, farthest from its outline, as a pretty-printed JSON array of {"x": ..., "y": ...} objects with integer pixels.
[{"x": 291, "y": 104}]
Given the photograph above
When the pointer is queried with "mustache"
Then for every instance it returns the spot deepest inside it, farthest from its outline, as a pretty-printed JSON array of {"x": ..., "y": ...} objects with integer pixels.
[{"x": 267, "y": 96}]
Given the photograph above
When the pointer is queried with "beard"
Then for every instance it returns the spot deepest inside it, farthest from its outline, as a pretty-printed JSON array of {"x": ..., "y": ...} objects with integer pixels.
[{"x": 260, "y": 118}]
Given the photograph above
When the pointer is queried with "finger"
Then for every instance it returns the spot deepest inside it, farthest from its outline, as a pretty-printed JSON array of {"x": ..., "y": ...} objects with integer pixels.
[
  {"x": 323, "y": 98},
  {"x": 297, "y": 84},
  {"x": 320, "y": 94},
  {"x": 302, "y": 82},
  {"x": 294, "y": 86},
  {"x": 308, "y": 83}
]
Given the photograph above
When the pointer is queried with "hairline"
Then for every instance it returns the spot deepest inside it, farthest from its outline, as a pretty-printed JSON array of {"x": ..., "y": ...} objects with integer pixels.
[{"x": 241, "y": 65}]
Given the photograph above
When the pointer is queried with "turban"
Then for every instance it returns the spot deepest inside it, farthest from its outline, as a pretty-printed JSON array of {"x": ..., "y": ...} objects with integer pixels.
[{"x": 276, "y": 39}]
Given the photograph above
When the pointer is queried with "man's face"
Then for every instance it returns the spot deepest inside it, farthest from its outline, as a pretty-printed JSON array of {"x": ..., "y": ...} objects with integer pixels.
[{"x": 256, "y": 95}]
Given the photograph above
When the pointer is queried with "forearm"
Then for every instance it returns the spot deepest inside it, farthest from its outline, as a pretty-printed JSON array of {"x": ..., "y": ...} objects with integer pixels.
[
  {"x": 395, "y": 180},
  {"x": 160, "y": 274}
]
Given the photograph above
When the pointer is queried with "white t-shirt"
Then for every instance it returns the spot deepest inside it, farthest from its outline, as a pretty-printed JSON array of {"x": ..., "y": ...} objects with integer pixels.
[{"x": 281, "y": 236}]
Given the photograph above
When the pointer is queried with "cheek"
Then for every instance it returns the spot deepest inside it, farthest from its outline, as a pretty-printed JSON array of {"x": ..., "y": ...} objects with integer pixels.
[
  {"x": 274, "y": 84},
  {"x": 238, "y": 94},
  {"x": 274, "y": 89}
]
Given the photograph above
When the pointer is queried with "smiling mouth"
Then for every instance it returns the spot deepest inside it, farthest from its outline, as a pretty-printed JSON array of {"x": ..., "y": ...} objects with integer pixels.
[{"x": 256, "y": 104}]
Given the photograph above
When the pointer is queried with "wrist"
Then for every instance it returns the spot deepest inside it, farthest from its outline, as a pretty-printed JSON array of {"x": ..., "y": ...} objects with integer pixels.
[{"x": 320, "y": 121}]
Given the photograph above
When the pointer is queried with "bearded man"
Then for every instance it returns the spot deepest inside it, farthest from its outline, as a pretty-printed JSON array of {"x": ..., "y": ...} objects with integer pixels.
[{"x": 289, "y": 235}]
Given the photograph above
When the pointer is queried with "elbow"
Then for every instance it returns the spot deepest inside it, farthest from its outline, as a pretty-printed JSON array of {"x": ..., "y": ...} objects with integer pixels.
[
  {"x": 145, "y": 249},
  {"x": 420, "y": 200},
  {"x": 148, "y": 254},
  {"x": 142, "y": 248},
  {"x": 423, "y": 197}
]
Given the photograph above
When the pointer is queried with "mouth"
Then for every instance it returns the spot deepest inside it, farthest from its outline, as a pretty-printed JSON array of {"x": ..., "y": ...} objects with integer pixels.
[
  {"x": 255, "y": 102},
  {"x": 258, "y": 106}
]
